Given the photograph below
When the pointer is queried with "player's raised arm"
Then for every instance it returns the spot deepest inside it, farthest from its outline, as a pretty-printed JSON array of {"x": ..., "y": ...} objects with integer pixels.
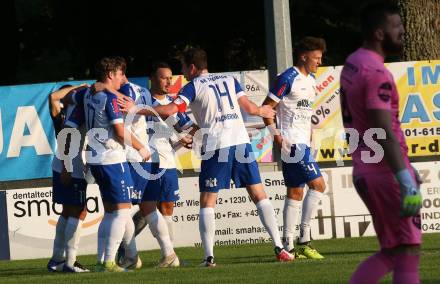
[
  {"x": 250, "y": 107},
  {"x": 72, "y": 97},
  {"x": 185, "y": 97},
  {"x": 100, "y": 87},
  {"x": 58, "y": 95},
  {"x": 127, "y": 105},
  {"x": 167, "y": 110}
]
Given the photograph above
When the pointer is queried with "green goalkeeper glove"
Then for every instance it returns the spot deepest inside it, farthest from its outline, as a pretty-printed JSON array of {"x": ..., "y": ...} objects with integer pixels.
[{"x": 411, "y": 199}]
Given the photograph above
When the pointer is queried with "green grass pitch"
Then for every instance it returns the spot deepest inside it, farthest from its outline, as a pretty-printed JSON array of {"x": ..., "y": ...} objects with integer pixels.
[{"x": 235, "y": 264}]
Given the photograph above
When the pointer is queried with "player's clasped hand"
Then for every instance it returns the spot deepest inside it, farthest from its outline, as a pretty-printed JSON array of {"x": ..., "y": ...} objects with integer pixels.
[
  {"x": 411, "y": 199},
  {"x": 126, "y": 104},
  {"x": 266, "y": 111},
  {"x": 98, "y": 87},
  {"x": 186, "y": 141},
  {"x": 145, "y": 154}
]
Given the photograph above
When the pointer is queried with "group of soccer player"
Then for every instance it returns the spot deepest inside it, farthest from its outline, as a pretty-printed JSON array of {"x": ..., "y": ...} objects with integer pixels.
[{"x": 131, "y": 133}]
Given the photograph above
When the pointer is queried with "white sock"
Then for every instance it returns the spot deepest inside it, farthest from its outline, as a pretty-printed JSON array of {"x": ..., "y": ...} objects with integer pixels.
[
  {"x": 310, "y": 205},
  {"x": 129, "y": 239},
  {"x": 116, "y": 233},
  {"x": 159, "y": 229},
  {"x": 103, "y": 232},
  {"x": 268, "y": 219},
  {"x": 169, "y": 220},
  {"x": 58, "y": 242},
  {"x": 207, "y": 230},
  {"x": 72, "y": 237},
  {"x": 291, "y": 213}
]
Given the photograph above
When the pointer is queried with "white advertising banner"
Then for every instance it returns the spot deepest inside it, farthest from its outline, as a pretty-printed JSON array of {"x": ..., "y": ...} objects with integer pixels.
[{"x": 32, "y": 216}]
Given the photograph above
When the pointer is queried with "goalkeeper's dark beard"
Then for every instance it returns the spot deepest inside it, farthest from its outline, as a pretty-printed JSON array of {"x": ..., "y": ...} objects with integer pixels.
[{"x": 391, "y": 47}]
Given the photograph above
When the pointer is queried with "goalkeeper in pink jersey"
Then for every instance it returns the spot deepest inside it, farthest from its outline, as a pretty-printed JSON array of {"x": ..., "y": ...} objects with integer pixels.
[{"x": 384, "y": 179}]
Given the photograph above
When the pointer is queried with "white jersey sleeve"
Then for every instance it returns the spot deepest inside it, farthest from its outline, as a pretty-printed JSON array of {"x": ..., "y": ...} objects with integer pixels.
[
  {"x": 213, "y": 99},
  {"x": 295, "y": 94},
  {"x": 160, "y": 134},
  {"x": 137, "y": 124}
]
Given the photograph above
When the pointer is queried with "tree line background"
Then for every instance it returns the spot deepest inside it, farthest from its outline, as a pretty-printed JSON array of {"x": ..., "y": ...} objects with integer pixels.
[{"x": 54, "y": 40}]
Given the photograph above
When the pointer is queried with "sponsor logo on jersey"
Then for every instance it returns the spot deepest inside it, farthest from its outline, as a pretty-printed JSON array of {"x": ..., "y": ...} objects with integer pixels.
[
  {"x": 384, "y": 91},
  {"x": 304, "y": 103},
  {"x": 226, "y": 117},
  {"x": 136, "y": 194}
]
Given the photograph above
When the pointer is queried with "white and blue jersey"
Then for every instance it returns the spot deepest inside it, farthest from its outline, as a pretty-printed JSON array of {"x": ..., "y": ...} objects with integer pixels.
[
  {"x": 160, "y": 134},
  {"x": 101, "y": 113},
  {"x": 214, "y": 102},
  {"x": 136, "y": 123},
  {"x": 295, "y": 94},
  {"x": 106, "y": 156}
]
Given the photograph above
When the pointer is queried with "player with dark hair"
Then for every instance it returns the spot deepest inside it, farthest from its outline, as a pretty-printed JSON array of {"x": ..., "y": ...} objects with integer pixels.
[
  {"x": 69, "y": 187},
  {"x": 164, "y": 190},
  {"x": 216, "y": 100},
  {"x": 293, "y": 94},
  {"x": 162, "y": 184},
  {"x": 390, "y": 187},
  {"x": 107, "y": 159}
]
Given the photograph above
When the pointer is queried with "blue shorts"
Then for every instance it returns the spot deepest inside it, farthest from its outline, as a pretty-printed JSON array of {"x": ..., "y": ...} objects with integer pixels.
[
  {"x": 165, "y": 188},
  {"x": 297, "y": 174},
  {"x": 74, "y": 194},
  {"x": 114, "y": 181},
  {"x": 235, "y": 162},
  {"x": 140, "y": 180}
]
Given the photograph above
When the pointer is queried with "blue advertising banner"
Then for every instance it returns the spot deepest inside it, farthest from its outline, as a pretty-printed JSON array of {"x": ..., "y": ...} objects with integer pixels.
[
  {"x": 27, "y": 137},
  {"x": 26, "y": 132}
]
